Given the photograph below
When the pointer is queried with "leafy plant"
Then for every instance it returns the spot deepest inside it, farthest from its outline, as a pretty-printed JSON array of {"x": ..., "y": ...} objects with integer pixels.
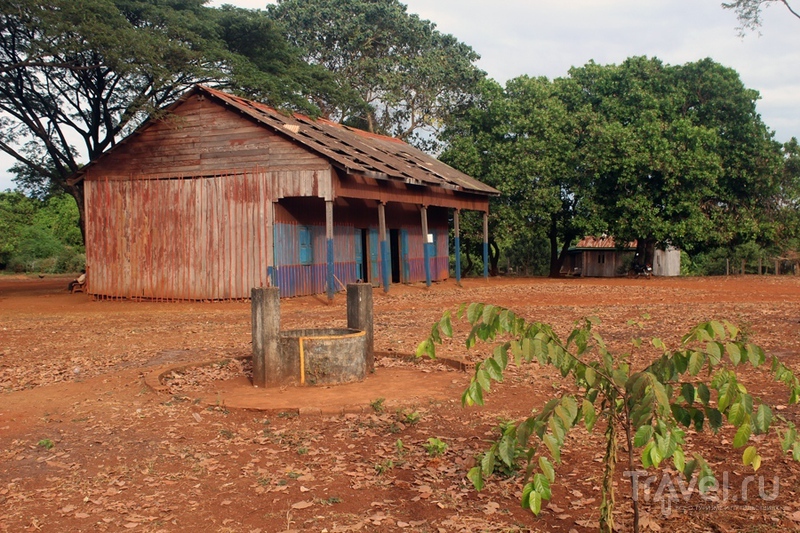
[
  {"x": 377, "y": 405},
  {"x": 408, "y": 417},
  {"x": 501, "y": 467},
  {"x": 435, "y": 447},
  {"x": 384, "y": 466},
  {"x": 46, "y": 444},
  {"x": 694, "y": 385}
]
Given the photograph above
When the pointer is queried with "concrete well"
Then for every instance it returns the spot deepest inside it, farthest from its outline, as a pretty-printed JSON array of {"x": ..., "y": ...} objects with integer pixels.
[
  {"x": 322, "y": 356},
  {"x": 325, "y": 356}
]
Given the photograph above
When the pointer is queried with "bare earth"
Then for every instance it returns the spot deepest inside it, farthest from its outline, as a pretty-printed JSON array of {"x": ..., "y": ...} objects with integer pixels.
[{"x": 190, "y": 456}]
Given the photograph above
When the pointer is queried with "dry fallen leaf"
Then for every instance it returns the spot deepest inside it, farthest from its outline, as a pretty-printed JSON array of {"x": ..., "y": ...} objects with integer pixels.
[{"x": 302, "y": 505}]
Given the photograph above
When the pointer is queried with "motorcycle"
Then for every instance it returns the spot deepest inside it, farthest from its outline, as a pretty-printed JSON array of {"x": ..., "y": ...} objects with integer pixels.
[{"x": 640, "y": 270}]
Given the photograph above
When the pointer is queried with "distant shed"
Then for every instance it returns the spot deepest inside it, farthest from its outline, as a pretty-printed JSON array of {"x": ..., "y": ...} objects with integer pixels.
[
  {"x": 667, "y": 262},
  {"x": 224, "y": 194},
  {"x": 598, "y": 257},
  {"x": 601, "y": 257}
]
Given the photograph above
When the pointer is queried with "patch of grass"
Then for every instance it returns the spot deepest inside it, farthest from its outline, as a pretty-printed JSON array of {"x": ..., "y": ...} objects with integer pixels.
[{"x": 46, "y": 444}]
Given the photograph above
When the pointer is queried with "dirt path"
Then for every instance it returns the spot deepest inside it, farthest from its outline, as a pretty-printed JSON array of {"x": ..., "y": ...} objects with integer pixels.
[{"x": 125, "y": 457}]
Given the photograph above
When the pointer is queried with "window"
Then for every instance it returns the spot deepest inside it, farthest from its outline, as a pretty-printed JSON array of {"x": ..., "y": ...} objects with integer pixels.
[
  {"x": 306, "y": 248},
  {"x": 601, "y": 257}
]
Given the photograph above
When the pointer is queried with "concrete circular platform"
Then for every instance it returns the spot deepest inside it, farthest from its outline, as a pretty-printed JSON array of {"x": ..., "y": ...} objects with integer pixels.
[{"x": 398, "y": 386}]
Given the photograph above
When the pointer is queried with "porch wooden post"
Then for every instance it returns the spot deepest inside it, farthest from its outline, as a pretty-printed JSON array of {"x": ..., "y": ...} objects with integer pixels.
[
  {"x": 457, "y": 244},
  {"x": 426, "y": 246},
  {"x": 385, "y": 260},
  {"x": 329, "y": 237},
  {"x": 486, "y": 244}
]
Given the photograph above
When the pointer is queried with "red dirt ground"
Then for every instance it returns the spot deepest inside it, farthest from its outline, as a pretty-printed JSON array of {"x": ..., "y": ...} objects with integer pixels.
[{"x": 126, "y": 457}]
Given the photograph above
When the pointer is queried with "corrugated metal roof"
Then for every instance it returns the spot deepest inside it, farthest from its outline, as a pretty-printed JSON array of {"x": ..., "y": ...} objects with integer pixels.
[
  {"x": 600, "y": 243},
  {"x": 357, "y": 151}
]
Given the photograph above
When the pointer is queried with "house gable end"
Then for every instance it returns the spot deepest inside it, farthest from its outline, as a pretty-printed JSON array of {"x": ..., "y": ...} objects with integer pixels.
[{"x": 201, "y": 137}]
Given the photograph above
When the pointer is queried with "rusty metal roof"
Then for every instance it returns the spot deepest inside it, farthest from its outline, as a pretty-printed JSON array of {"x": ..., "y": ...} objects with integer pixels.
[
  {"x": 356, "y": 151},
  {"x": 600, "y": 243}
]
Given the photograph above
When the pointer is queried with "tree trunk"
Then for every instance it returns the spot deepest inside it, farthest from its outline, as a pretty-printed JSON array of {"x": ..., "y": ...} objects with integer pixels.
[
  {"x": 76, "y": 191},
  {"x": 468, "y": 268},
  {"x": 494, "y": 258},
  {"x": 552, "y": 235},
  {"x": 557, "y": 257},
  {"x": 645, "y": 251}
]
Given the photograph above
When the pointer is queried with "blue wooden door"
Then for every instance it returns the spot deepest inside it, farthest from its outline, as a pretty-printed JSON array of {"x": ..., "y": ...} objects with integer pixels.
[{"x": 359, "y": 255}]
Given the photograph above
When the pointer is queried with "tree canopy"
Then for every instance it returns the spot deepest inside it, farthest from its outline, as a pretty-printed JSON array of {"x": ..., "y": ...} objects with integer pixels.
[
  {"x": 525, "y": 140},
  {"x": 396, "y": 73},
  {"x": 680, "y": 157},
  {"x": 664, "y": 155},
  {"x": 77, "y": 75},
  {"x": 39, "y": 235}
]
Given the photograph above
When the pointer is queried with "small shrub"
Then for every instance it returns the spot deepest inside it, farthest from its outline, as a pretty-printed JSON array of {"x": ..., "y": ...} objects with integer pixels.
[
  {"x": 46, "y": 444},
  {"x": 408, "y": 417},
  {"x": 377, "y": 405},
  {"x": 384, "y": 466},
  {"x": 435, "y": 447},
  {"x": 694, "y": 385}
]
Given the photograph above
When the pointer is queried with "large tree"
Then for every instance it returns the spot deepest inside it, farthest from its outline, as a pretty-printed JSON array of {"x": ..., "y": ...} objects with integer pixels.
[
  {"x": 679, "y": 155},
  {"x": 76, "y": 75},
  {"x": 664, "y": 155},
  {"x": 525, "y": 140},
  {"x": 396, "y": 73}
]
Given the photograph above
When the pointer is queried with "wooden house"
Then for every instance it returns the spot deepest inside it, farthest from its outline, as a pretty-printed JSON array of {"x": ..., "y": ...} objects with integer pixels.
[
  {"x": 598, "y": 257},
  {"x": 222, "y": 194},
  {"x": 602, "y": 258}
]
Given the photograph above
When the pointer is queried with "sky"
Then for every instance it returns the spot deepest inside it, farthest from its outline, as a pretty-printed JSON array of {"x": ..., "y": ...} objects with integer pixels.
[{"x": 546, "y": 38}]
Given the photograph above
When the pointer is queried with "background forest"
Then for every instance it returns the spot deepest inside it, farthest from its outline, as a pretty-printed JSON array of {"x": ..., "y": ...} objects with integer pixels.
[{"x": 668, "y": 155}]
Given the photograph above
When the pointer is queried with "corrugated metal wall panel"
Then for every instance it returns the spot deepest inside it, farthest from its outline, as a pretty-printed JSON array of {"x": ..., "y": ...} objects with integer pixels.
[
  {"x": 178, "y": 239},
  {"x": 295, "y": 279}
]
